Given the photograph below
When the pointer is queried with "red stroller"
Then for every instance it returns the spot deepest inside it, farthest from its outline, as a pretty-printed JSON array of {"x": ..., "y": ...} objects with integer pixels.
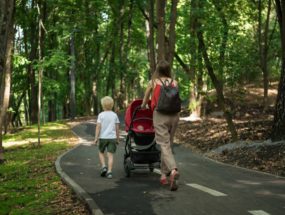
[{"x": 140, "y": 148}]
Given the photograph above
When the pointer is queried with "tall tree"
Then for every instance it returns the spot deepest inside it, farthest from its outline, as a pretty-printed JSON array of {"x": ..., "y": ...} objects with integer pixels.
[
  {"x": 278, "y": 129},
  {"x": 171, "y": 32},
  {"x": 31, "y": 33},
  {"x": 150, "y": 35},
  {"x": 263, "y": 47},
  {"x": 72, "y": 104},
  {"x": 41, "y": 14},
  {"x": 216, "y": 82},
  {"x": 195, "y": 72},
  {"x": 7, "y": 8},
  {"x": 160, "y": 16}
]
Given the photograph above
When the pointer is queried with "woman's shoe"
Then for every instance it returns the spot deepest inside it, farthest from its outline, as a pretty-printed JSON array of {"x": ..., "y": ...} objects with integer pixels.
[
  {"x": 163, "y": 181},
  {"x": 174, "y": 176}
]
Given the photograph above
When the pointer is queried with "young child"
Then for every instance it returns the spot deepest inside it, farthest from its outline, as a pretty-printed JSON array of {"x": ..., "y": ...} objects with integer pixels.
[{"x": 107, "y": 134}]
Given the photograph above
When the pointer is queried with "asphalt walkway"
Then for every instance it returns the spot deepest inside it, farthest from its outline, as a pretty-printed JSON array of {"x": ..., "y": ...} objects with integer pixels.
[{"x": 206, "y": 187}]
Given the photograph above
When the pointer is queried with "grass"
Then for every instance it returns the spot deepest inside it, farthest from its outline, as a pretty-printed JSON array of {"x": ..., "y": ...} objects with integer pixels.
[{"x": 28, "y": 181}]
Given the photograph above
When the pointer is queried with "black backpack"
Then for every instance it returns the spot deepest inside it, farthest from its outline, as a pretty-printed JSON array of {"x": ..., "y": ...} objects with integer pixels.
[{"x": 169, "y": 101}]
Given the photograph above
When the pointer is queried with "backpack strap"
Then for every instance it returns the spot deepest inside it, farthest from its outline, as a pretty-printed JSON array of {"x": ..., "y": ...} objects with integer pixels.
[{"x": 164, "y": 83}]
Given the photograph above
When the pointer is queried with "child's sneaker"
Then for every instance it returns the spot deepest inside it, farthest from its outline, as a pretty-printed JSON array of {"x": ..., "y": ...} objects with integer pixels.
[
  {"x": 109, "y": 175},
  {"x": 103, "y": 171}
]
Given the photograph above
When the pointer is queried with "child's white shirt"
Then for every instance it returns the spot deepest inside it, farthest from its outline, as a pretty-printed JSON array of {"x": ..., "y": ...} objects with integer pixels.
[{"x": 108, "y": 121}]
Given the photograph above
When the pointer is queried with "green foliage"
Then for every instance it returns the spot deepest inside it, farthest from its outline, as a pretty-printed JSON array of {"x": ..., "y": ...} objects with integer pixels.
[
  {"x": 111, "y": 46},
  {"x": 19, "y": 61},
  {"x": 28, "y": 179}
]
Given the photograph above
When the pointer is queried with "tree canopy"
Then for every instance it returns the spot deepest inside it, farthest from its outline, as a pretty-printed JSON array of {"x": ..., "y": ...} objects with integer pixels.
[{"x": 81, "y": 50}]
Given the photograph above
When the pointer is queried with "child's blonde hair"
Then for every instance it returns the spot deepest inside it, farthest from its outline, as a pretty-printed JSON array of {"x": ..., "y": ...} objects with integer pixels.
[{"x": 107, "y": 103}]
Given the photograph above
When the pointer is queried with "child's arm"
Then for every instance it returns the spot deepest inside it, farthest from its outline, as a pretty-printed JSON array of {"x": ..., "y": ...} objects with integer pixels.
[
  {"x": 97, "y": 132},
  {"x": 118, "y": 132}
]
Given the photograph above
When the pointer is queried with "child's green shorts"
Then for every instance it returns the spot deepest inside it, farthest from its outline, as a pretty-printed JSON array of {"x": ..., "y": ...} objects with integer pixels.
[{"x": 109, "y": 144}]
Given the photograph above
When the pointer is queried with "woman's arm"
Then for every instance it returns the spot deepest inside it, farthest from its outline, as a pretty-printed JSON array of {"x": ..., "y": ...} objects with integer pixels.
[{"x": 147, "y": 94}]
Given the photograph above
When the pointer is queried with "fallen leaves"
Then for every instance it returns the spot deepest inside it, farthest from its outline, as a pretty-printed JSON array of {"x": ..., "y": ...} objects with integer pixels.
[{"x": 252, "y": 122}]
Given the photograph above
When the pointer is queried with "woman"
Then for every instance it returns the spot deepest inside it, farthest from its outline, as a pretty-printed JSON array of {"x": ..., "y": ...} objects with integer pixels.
[{"x": 164, "y": 124}]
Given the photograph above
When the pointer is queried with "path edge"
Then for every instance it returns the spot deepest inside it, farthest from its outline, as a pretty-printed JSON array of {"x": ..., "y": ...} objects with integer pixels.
[
  {"x": 241, "y": 167},
  {"x": 79, "y": 191}
]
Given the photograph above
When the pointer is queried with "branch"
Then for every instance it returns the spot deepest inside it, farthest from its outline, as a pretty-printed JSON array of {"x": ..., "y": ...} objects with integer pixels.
[{"x": 179, "y": 60}]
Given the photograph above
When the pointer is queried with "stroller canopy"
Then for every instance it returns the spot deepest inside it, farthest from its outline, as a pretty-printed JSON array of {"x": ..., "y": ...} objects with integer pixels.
[{"x": 139, "y": 120}]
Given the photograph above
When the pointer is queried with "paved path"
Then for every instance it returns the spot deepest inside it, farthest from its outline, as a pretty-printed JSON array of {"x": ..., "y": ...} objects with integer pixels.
[{"x": 206, "y": 187}]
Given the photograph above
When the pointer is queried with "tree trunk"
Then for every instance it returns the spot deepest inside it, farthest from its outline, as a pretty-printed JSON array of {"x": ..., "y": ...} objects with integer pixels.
[
  {"x": 225, "y": 33},
  {"x": 40, "y": 75},
  {"x": 32, "y": 57},
  {"x": 72, "y": 104},
  {"x": 176, "y": 56},
  {"x": 219, "y": 88},
  {"x": 217, "y": 84},
  {"x": 160, "y": 13},
  {"x": 26, "y": 107},
  {"x": 194, "y": 103},
  {"x": 111, "y": 75},
  {"x": 263, "y": 49},
  {"x": 278, "y": 129},
  {"x": 16, "y": 108},
  {"x": 6, "y": 48},
  {"x": 171, "y": 41},
  {"x": 52, "y": 115},
  {"x": 200, "y": 86},
  {"x": 265, "y": 57},
  {"x": 150, "y": 37}
]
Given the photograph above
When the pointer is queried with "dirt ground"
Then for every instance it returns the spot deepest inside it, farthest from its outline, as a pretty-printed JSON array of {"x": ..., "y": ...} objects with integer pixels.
[{"x": 253, "y": 125}]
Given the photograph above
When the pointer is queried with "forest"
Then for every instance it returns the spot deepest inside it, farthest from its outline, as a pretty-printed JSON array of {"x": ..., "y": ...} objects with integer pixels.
[{"x": 58, "y": 58}]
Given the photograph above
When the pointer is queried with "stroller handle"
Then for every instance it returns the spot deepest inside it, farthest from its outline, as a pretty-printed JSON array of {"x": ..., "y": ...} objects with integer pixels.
[{"x": 133, "y": 116}]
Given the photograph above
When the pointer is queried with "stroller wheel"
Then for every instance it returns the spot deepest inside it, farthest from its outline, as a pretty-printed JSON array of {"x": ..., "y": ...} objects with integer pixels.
[
  {"x": 127, "y": 167},
  {"x": 151, "y": 168}
]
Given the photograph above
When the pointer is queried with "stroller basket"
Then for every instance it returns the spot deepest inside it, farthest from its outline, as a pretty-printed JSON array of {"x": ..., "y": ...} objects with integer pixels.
[{"x": 140, "y": 157}]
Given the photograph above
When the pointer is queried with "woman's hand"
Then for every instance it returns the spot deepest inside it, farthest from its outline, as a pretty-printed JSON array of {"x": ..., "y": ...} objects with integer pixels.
[
  {"x": 146, "y": 95},
  {"x": 144, "y": 106}
]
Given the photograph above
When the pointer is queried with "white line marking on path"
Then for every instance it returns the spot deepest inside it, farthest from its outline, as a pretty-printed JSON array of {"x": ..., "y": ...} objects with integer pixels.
[
  {"x": 259, "y": 212},
  {"x": 157, "y": 171},
  {"x": 207, "y": 190}
]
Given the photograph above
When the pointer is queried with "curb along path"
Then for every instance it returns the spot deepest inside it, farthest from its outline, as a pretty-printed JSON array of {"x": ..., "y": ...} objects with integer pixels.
[{"x": 80, "y": 192}]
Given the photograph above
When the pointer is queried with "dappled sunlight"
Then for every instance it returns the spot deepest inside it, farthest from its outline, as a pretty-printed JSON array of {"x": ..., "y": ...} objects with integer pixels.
[
  {"x": 16, "y": 164},
  {"x": 235, "y": 185},
  {"x": 28, "y": 176},
  {"x": 269, "y": 193},
  {"x": 247, "y": 182},
  {"x": 259, "y": 185},
  {"x": 70, "y": 164},
  {"x": 277, "y": 182},
  {"x": 50, "y": 133}
]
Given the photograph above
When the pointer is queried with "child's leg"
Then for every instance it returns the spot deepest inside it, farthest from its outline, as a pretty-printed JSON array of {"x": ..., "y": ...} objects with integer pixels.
[
  {"x": 111, "y": 149},
  {"x": 102, "y": 147},
  {"x": 110, "y": 161},
  {"x": 102, "y": 159}
]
